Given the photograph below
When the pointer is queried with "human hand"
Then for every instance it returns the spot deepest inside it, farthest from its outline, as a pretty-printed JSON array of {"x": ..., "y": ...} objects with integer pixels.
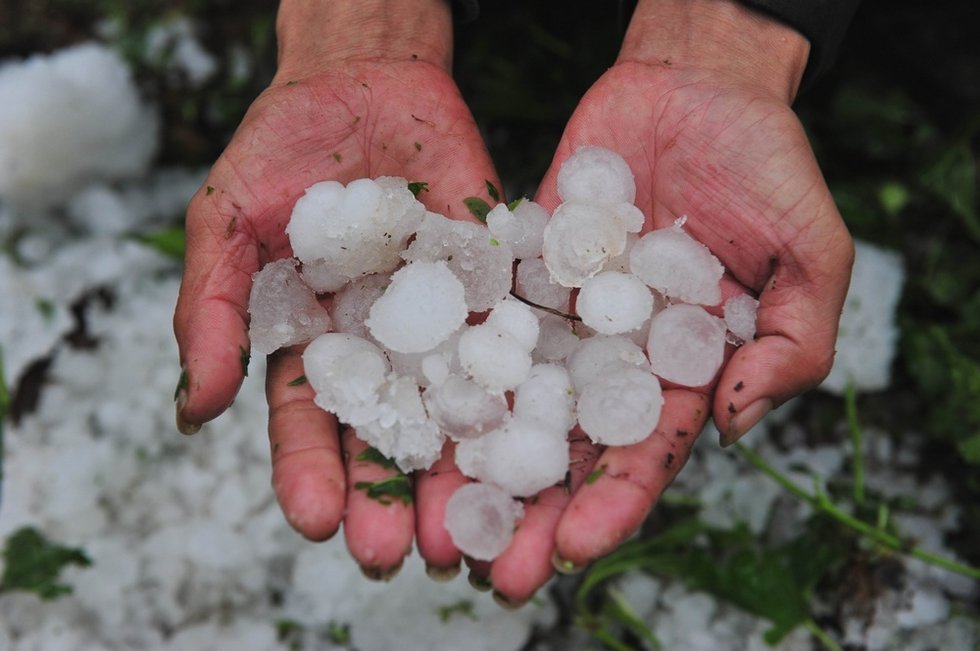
[
  {"x": 698, "y": 105},
  {"x": 362, "y": 90}
]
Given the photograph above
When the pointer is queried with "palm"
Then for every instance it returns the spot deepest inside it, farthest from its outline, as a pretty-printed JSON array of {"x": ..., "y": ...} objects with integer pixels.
[{"x": 368, "y": 120}]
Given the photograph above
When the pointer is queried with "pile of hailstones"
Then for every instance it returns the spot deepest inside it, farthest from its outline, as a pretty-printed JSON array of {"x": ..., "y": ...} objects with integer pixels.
[{"x": 396, "y": 358}]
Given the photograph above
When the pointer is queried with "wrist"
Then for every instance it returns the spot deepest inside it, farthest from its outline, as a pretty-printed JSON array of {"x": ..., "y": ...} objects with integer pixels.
[
  {"x": 313, "y": 35},
  {"x": 723, "y": 37}
]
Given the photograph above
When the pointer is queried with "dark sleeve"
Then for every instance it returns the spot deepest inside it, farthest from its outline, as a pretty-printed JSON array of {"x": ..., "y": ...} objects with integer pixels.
[
  {"x": 823, "y": 22},
  {"x": 465, "y": 10}
]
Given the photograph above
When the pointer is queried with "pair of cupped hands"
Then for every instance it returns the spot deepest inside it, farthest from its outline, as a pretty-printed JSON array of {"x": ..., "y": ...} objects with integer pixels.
[{"x": 716, "y": 145}]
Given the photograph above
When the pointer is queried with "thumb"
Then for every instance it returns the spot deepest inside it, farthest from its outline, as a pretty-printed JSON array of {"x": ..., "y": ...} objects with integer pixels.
[
  {"x": 796, "y": 329},
  {"x": 211, "y": 317}
]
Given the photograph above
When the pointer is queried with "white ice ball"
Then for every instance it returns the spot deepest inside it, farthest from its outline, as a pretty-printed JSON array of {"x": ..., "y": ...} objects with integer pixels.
[
  {"x": 686, "y": 345},
  {"x": 481, "y": 520},
  {"x": 621, "y": 406},
  {"x": 614, "y": 302},
  {"x": 677, "y": 266},
  {"x": 596, "y": 175},
  {"x": 494, "y": 358}
]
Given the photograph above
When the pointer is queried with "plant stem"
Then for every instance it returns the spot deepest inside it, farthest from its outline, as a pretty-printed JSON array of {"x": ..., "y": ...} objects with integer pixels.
[
  {"x": 857, "y": 436},
  {"x": 822, "y": 503},
  {"x": 821, "y": 635}
]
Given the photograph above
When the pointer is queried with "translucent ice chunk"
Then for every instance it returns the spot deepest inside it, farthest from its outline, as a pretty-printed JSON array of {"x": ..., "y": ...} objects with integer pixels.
[
  {"x": 686, "y": 345},
  {"x": 740, "y": 312},
  {"x": 481, "y": 520},
  {"x": 596, "y": 354},
  {"x": 351, "y": 305},
  {"x": 614, "y": 302},
  {"x": 556, "y": 339},
  {"x": 579, "y": 240},
  {"x": 283, "y": 310},
  {"x": 401, "y": 429},
  {"x": 596, "y": 175},
  {"x": 621, "y": 406},
  {"x": 677, "y": 266},
  {"x": 322, "y": 277},
  {"x": 422, "y": 307},
  {"x": 534, "y": 283}
]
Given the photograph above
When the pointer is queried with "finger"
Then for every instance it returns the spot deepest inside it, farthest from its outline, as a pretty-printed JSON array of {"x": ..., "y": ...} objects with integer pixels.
[
  {"x": 380, "y": 522},
  {"x": 526, "y": 564},
  {"x": 628, "y": 480},
  {"x": 433, "y": 489},
  {"x": 211, "y": 318},
  {"x": 796, "y": 329},
  {"x": 307, "y": 469}
]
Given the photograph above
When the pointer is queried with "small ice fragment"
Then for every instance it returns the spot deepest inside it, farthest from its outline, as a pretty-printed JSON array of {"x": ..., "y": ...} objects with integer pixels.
[
  {"x": 401, "y": 429},
  {"x": 677, "y": 266},
  {"x": 613, "y": 302},
  {"x": 523, "y": 457},
  {"x": 283, "y": 310},
  {"x": 483, "y": 264},
  {"x": 322, "y": 277},
  {"x": 740, "y": 312},
  {"x": 481, "y": 520},
  {"x": 517, "y": 320},
  {"x": 534, "y": 284},
  {"x": 351, "y": 305},
  {"x": 686, "y": 345},
  {"x": 596, "y": 175},
  {"x": 579, "y": 240},
  {"x": 494, "y": 358},
  {"x": 621, "y": 406},
  {"x": 463, "y": 408},
  {"x": 422, "y": 307},
  {"x": 598, "y": 353}
]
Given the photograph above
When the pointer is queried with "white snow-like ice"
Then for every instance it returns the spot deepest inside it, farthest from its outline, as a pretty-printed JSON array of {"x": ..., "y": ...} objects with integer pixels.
[
  {"x": 596, "y": 175},
  {"x": 480, "y": 519},
  {"x": 283, "y": 310},
  {"x": 613, "y": 302},
  {"x": 740, "y": 314}
]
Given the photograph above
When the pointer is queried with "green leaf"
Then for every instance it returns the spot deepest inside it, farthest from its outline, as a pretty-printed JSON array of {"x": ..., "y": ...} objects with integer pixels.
[
  {"x": 492, "y": 190},
  {"x": 182, "y": 383},
  {"x": 417, "y": 187},
  {"x": 243, "y": 357},
  {"x": 33, "y": 563},
  {"x": 462, "y": 607},
  {"x": 338, "y": 633},
  {"x": 953, "y": 178},
  {"x": 170, "y": 242},
  {"x": 371, "y": 455},
  {"x": 477, "y": 207},
  {"x": 595, "y": 474},
  {"x": 514, "y": 204},
  {"x": 386, "y": 491},
  {"x": 299, "y": 381}
]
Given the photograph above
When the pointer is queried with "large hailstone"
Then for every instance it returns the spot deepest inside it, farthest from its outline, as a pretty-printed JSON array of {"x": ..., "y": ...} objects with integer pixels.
[
  {"x": 283, "y": 310},
  {"x": 677, "y": 266},
  {"x": 621, "y": 406},
  {"x": 422, "y": 306},
  {"x": 494, "y": 358},
  {"x": 595, "y": 355},
  {"x": 346, "y": 372},
  {"x": 482, "y": 263},
  {"x": 596, "y": 175},
  {"x": 358, "y": 229},
  {"x": 579, "y": 240},
  {"x": 614, "y": 302},
  {"x": 481, "y": 520},
  {"x": 686, "y": 345}
]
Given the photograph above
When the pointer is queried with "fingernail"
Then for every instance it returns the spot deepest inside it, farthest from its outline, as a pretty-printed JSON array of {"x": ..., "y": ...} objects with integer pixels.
[
  {"x": 442, "y": 574},
  {"x": 565, "y": 566},
  {"x": 745, "y": 419},
  {"x": 381, "y": 574},
  {"x": 184, "y": 426},
  {"x": 478, "y": 582},
  {"x": 506, "y": 602}
]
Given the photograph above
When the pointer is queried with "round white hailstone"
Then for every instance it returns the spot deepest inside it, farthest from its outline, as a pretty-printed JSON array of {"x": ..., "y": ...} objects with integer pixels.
[
  {"x": 422, "y": 307},
  {"x": 621, "y": 262},
  {"x": 533, "y": 219},
  {"x": 579, "y": 240},
  {"x": 523, "y": 457},
  {"x": 344, "y": 370},
  {"x": 306, "y": 224},
  {"x": 322, "y": 277},
  {"x": 401, "y": 429},
  {"x": 596, "y": 175},
  {"x": 547, "y": 395},
  {"x": 283, "y": 310},
  {"x": 493, "y": 358},
  {"x": 517, "y": 320},
  {"x": 614, "y": 302},
  {"x": 686, "y": 345},
  {"x": 595, "y": 354},
  {"x": 351, "y": 305},
  {"x": 621, "y": 406},
  {"x": 464, "y": 409},
  {"x": 483, "y": 264},
  {"x": 740, "y": 312},
  {"x": 556, "y": 340},
  {"x": 435, "y": 368},
  {"x": 677, "y": 266},
  {"x": 534, "y": 284},
  {"x": 481, "y": 520}
]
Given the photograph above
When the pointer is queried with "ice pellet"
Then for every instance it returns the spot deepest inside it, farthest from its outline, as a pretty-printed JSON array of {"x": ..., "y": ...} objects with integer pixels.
[
  {"x": 422, "y": 307},
  {"x": 595, "y": 354},
  {"x": 579, "y": 240},
  {"x": 614, "y": 302},
  {"x": 686, "y": 345},
  {"x": 517, "y": 320},
  {"x": 556, "y": 339},
  {"x": 283, "y": 310},
  {"x": 740, "y": 312},
  {"x": 534, "y": 283},
  {"x": 621, "y": 406},
  {"x": 401, "y": 428},
  {"x": 677, "y": 266},
  {"x": 596, "y": 175},
  {"x": 345, "y": 371},
  {"x": 493, "y": 358},
  {"x": 463, "y": 408},
  {"x": 481, "y": 519},
  {"x": 547, "y": 395},
  {"x": 350, "y": 306}
]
